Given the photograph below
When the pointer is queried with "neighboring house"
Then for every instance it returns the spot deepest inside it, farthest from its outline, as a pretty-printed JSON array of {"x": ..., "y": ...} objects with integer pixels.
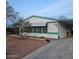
[{"x": 48, "y": 27}]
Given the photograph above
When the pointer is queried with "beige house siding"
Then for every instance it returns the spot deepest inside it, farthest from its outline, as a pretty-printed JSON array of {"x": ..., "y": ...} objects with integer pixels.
[
  {"x": 38, "y": 20},
  {"x": 52, "y": 28},
  {"x": 55, "y": 29}
]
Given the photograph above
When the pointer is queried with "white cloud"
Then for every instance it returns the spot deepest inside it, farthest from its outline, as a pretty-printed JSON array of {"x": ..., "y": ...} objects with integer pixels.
[{"x": 58, "y": 8}]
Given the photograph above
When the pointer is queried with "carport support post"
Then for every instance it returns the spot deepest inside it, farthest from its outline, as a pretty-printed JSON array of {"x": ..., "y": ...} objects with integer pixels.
[{"x": 58, "y": 31}]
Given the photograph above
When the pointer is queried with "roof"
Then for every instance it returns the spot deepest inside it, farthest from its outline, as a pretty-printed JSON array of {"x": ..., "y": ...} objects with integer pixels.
[
  {"x": 66, "y": 21},
  {"x": 70, "y": 21},
  {"x": 40, "y": 17}
]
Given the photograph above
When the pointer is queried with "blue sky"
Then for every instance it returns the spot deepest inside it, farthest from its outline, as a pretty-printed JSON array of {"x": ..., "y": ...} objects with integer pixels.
[{"x": 46, "y": 8}]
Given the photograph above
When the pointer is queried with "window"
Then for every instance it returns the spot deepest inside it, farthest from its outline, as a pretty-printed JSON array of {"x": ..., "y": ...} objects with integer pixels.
[
  {"x": 44, "y": 29},
  {"x": 35, "y": 29},
  {"x": 32, "y": 30},
  {"x": 39, "y": 29}
]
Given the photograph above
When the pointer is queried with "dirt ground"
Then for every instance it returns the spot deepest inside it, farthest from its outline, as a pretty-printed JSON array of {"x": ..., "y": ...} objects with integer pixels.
[{"x": 18, "y": 48}]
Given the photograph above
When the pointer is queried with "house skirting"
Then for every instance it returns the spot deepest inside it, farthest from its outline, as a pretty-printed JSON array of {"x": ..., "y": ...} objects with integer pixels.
[{"x": 46, "y": 35}]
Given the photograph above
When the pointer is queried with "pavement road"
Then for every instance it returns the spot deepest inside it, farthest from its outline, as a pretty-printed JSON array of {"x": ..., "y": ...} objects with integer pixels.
[{"x": 61, "y": 49}]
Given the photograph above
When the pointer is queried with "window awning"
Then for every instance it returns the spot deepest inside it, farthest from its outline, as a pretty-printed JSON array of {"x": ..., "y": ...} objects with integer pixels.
[{"x": 38, "y": 24}]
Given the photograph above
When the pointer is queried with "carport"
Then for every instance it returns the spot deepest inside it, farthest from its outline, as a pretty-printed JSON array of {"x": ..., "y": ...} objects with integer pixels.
[{"x": 69, "y": 27}]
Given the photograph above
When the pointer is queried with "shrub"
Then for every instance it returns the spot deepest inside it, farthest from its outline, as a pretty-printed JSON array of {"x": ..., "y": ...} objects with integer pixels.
[{"x": 47, "y": 40}]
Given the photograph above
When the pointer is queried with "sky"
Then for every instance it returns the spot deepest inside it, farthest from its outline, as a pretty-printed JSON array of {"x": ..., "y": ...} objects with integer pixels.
[{"x": 46, "y": 8}]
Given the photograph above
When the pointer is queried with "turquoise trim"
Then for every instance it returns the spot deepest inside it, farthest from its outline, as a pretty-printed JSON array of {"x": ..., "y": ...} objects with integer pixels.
[{"x": 53, "y": 33}]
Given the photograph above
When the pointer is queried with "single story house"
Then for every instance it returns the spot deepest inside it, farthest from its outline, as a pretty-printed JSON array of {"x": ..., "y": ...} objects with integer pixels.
[{"x": 48, "y": 27}]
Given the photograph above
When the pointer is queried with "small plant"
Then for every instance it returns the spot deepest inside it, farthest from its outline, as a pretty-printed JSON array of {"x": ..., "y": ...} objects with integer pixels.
[{"x": 47, "y": 40}]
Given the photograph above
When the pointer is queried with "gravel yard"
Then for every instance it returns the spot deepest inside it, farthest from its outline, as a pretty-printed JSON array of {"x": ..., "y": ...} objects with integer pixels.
[{"x": 18, "y": 48}]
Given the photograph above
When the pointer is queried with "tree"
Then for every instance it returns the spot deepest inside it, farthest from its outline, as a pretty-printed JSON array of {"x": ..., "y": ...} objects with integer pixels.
[
  {"x": 23, "y": 26},
  {"x": 10, "y": 12},
  {"x": 62, "y": 18},
  {"x": 18, "y": 24},
  {"x": 27, "y": 26},
  {"x": 12, "y": 15}
]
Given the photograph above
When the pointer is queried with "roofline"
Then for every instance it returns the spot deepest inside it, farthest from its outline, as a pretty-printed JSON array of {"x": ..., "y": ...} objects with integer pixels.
[
  {"x": 66, "y": 21},
  {"x": 40, "y": 17},
  {"x": 58, "y": 20}
]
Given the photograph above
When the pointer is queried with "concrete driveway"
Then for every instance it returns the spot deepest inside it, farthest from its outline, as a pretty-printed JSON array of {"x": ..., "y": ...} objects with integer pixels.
[{"x": 59, "y": 49}]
